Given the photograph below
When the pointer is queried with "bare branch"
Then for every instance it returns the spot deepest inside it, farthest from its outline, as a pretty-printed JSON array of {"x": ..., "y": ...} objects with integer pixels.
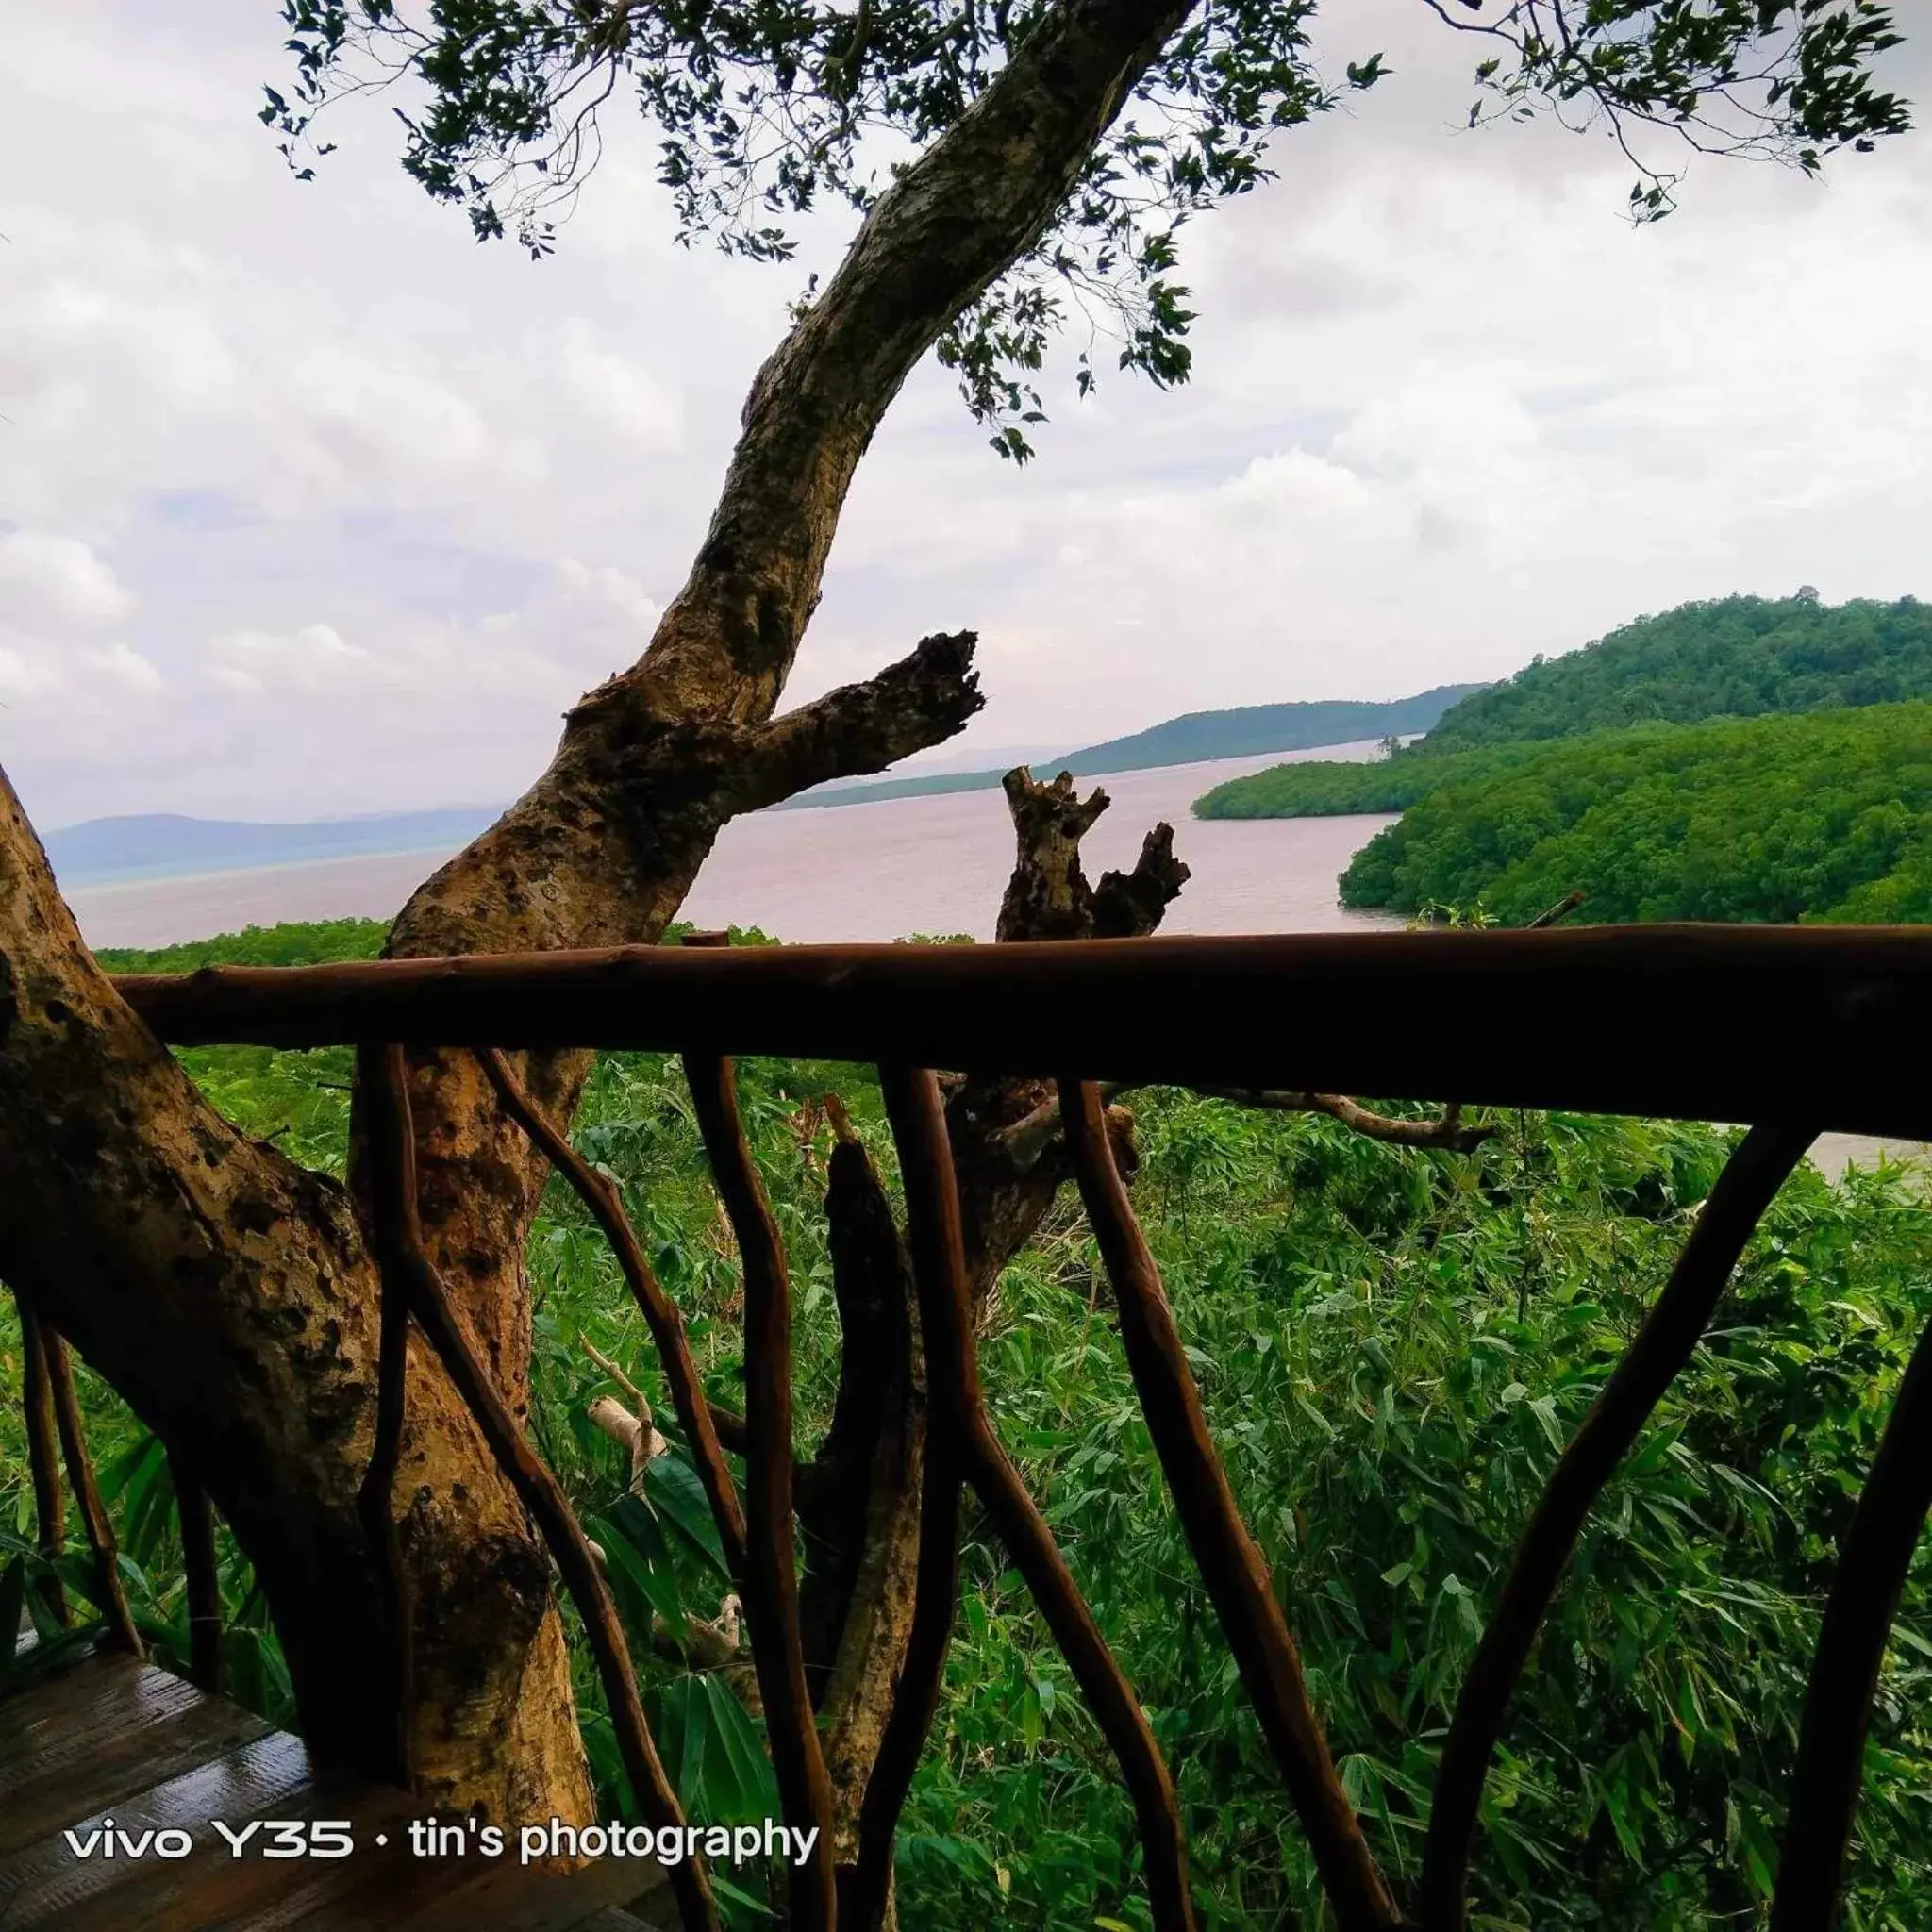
[
  {"x": 1561, "y": 909},
  {"x": 921, "y": 700},
  {"x": 1127, "y": 903},
  {"x": 1028, "y": 1138},
  {"x": 1445, "y": 1131}
]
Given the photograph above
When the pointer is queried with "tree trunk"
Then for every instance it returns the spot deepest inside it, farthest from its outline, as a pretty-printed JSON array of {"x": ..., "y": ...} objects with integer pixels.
[
  {"x": 228, "y": 1294},
  {"x": 859, "y": 1499}
]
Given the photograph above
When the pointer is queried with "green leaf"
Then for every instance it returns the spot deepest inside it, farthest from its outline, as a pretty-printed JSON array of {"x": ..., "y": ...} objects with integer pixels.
[
  {"x": 672, "y": 1486},
  {"x": 737, "y": 1896},
  {"x": 639, "y": 1565},
  {"x": 1544, "y": 1409},
  {"x": 681, "y": 1742},
  {"x": 737, "y": 1737}
]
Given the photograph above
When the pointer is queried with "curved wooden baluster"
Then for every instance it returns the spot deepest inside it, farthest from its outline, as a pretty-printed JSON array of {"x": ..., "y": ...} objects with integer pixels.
[
  {"x": 399, "y": 1239},
  {"x": 197, "y": 1523},
  {"x": 866, "y": 1889},
  {"x": 383, "y": 1070},
  {"x": 958, "y": 1413},
  {"x": 94, "y": 1520},
  {"x": 599, "y": 1193},
  {"x": 43, "y": 1458},
  {"x": 770, "y": 1575},
  {"x": 1671, "y": 1331},
  {"x": 1231, "y": 1563},
  {"x": 1880, "y": 1545}
]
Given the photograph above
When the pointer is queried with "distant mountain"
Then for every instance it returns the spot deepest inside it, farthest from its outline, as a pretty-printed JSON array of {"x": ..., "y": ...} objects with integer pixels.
[
  {"x": 167, "y": 846},
  {"x": 1198, "y": 736},
  {"x": 1192, "y": 739}
]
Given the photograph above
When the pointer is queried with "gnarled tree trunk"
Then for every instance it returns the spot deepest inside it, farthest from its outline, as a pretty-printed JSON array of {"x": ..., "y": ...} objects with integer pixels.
[{"x": 230, "y": 1295}]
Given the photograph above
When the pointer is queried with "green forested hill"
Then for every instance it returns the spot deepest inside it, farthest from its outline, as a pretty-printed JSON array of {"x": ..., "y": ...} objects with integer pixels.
[
  {"x": 1762, "y": 819},
  {"x": 1731, "y": 657},
  {"x": 1326, "y": 790},
  {"x": 1249, "y": 728}
]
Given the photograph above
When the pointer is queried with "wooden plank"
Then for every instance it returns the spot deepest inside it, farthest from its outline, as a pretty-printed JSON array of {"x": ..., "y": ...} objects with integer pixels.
[
  {"x": 394, "y": 1888},
  {"x": 508, "y": 1897},
  {"x": 44, "y": 1884},
  {"x": 215, "y": 1889},
  {"x": 111, "y": 1737},
  {"x": 79, "y": 1775},
  {"x": 93, "y": 1692}
]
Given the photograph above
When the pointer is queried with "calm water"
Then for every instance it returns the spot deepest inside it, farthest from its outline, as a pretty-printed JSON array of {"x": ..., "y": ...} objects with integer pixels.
[
  {"x": 855, "y": 872},
  {"x": 878, "y": 872}
]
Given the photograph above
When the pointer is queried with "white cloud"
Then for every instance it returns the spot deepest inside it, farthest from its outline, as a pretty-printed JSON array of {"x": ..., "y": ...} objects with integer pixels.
[
  {"x": 58, "y": 579},
  {"x": 310, "y": 661},
  {"x": 123, "y": 666},
  {"x": 98, "y": 705},
  {"x": 348, "y": 510}
]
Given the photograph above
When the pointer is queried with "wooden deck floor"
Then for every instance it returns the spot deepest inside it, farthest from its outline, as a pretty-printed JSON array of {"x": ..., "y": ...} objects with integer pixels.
[{"x": 106, "y": 1736}]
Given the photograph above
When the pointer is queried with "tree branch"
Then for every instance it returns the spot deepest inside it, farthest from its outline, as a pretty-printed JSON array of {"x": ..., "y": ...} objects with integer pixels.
[
  {"x": 1445, "y": 1131},
  {"x": 1028, "y": 1138},
  {"x": 949, "y": 226},
  {"x": 921, "y": 700},
  {"x": 1127, "y": 903}
]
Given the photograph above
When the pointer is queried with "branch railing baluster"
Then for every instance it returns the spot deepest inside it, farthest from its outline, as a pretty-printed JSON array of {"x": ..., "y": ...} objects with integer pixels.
[
  {"x": 958, "y": 1409},
  {"x": 109, "y": 1596},
  {"x": 1230, "y": 1561},
  {"x": 195, "y": 1518},
  {"x": 43, "y": 1458},
  {"x": 1669, "y": 1334},
  {"x": 933, "y": 1243},
  {"x": 1880, "y": 1545},
  {"x": 770, "y": 1567},
  {"x": 383, "y": 1071},
  {"x": 399, "y": 1235},
  {"x": 600, "y": 1195}
]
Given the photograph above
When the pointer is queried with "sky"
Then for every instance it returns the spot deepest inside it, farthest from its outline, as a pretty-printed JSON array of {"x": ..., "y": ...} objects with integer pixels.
[{"x": 309, "y": 505}]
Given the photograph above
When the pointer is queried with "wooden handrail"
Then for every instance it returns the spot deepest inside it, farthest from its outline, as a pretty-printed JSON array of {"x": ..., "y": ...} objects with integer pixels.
[
  {"x": 1698, "y": 1022},
  {"x": 1765, "y": 1025}
]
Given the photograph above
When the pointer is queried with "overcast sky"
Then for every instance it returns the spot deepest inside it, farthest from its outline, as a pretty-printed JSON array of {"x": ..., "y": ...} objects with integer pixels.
[{"x": 309, "y": 505}]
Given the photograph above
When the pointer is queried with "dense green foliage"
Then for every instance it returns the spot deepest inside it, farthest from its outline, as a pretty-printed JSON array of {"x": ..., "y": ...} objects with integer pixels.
[
  {"x": 315, "y": 943},
  {"x": 1732, "y": 658},
  {"x": 1763, "y": 819},
  {"x": 1391, "y": 1347},
  {"x": 1333, "y": 789}
]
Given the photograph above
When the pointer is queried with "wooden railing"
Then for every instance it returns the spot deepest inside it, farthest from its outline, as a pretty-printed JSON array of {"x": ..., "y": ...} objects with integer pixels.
[{"x": 1794, "y": 1032}]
